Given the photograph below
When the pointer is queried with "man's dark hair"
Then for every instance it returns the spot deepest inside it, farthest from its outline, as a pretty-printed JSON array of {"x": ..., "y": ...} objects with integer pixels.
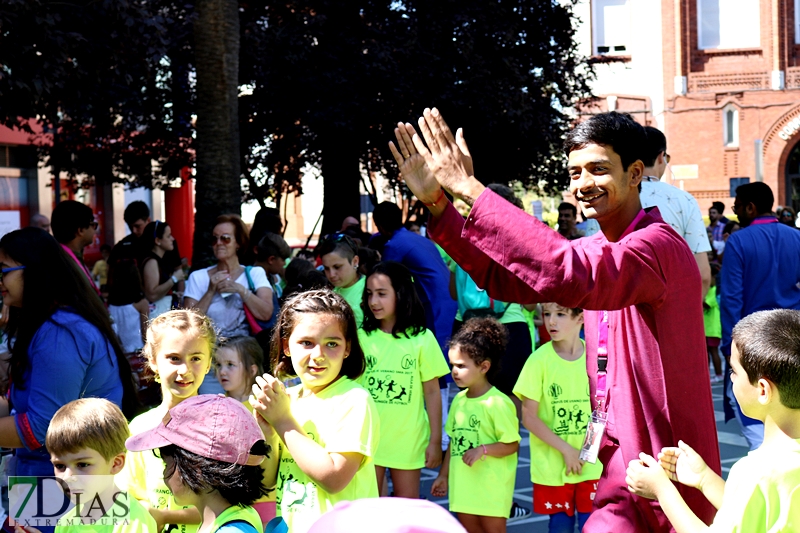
[
  {"x": 757, "y": 193},
  {"x": 70, "y": 216},
  {"x": 388, "y": 216},
  {"x": 566, "y": 205},
  {"x": 719, "y": 206},
  {"x": 506, "y": 193},
  {"x": 272, "y": 245},
  {"x": 769, "y": 347},
  {"x": 656, "y": 143},
  {"x": 618, "y": 130},
  {"x": 137, "y": 210},
  {"x": 237, "y": 484}
]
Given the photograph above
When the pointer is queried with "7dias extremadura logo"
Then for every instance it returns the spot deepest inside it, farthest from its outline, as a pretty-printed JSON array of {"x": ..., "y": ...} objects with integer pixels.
[{"x": 80, "y": 500}]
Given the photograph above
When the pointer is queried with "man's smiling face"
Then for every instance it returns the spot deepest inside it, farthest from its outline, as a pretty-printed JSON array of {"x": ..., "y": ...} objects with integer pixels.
[{"x": 599, "y": 181}]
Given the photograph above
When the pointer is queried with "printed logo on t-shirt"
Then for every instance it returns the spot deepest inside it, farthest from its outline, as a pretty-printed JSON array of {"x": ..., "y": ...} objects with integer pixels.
[
  {"x": 393, "y": 385},
  {"x": 464, "y": 439},
  {"x": 294, "y": 494},
  {"x": 569, "y": 418}
]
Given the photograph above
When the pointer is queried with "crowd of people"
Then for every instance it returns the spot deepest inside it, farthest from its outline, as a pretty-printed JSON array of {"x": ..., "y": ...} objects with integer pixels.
[{"x": 293, "y": 390}]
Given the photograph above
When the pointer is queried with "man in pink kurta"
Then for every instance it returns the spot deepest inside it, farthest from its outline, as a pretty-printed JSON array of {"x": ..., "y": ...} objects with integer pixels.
[{"x": 647, "y": 280}]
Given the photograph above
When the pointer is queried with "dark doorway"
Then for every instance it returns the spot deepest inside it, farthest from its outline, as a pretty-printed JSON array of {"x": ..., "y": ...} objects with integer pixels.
[{"x": 793, "y": 178}]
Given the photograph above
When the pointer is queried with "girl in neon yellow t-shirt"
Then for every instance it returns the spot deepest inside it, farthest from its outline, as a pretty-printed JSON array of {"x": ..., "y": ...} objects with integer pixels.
[
  {"x": 328, "y": 425},
  {"x": 237, "y": 363},
  {"x": 404, "y": 364},
  {"x": 178, "y": 349},
  {"x": 481, "y": 461}
]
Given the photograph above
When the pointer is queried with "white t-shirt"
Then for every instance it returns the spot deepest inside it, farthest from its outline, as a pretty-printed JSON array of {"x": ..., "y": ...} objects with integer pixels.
[
  {"x": 679, "y": 209},
  {"x": 227, "y": 313}
]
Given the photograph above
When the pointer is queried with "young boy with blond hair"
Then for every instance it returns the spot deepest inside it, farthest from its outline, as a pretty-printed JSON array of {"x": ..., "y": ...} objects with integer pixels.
[
  {"x": 763, "y": 489},
  {"x": 86, "y": 441}
]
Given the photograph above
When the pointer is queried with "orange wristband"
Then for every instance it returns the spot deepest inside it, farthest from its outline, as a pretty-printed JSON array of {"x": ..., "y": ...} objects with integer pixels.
[{"x": 439, "y": 199}]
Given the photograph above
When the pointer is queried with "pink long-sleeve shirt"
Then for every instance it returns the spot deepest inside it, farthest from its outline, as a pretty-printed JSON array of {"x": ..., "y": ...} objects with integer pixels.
[{"x": 658, "y": 376}]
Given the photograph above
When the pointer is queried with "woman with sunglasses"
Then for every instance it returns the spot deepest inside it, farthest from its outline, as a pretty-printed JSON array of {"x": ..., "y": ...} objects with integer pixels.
[
  {"x": 161, "y": 271},
  {"x": 222, "y": 291},
  {"x": 63, "y": 349}
]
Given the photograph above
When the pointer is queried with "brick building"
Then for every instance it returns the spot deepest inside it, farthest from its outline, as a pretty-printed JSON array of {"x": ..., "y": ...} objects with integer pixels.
[{"x": 721, "y": 78}]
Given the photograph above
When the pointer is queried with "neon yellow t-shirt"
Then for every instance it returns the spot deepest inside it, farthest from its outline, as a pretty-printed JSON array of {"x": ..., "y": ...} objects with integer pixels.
[
  {"x": 143, "y": 475},
  {"x": 396, "y": 369},
  {"x": 487, "y": 487},
  {"x": 762, "y": 492},
  {"x": 137, "y": 520},
  {"x": 562, "y": 389},
  {"x": 245, "y": 513},
  {"x": 353, "y": 295},
  {"x": 341, "y": 418},
  {"x": 711, "y": 316}
]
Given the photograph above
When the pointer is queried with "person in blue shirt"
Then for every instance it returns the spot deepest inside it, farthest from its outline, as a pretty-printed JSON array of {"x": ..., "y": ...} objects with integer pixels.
[
  {"x": 63, "y": 346},
  {"x": 761, "y": 271},
  {"x": 431, "y": 275}
]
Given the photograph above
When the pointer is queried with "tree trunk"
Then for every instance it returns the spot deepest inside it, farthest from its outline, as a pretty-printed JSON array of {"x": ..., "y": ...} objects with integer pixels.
[
  {"x": 216, "y": 35},
  {"x": 340, "y": 178}
]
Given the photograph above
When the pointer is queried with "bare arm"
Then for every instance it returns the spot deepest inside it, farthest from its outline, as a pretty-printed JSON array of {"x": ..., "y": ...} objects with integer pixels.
[
  {"x": 144, "y": 315},
  {"x": 178, "y": 516},
  {"x": 534, "y": 424},
  {"x": 9, "y": 438},
  {"x": 439, "y": 486},
  {"x": 433, "y": 405},
  {"x": 154, "y": 291},
  {"x": 705, "y": 273}
]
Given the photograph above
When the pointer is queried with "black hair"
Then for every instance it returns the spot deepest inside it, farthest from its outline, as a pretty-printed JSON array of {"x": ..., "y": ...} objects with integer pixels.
[
  {"x": 367, "y": 259},
  {"x": 758, "y": 193},
  {"x": 482, "y": 339},
  {"x": 656, "y": 143},
  {"x": 316, "y": 302},
  {"x": 506, "y": 193},
  {"x": 154, "y": 230},
  {"x": 719, "y": 206},
  {"x": 306, "y": 280},
  {"x": 729, "y": 227},
  {"x": 51, "y": 279},
  {"x": 294, "y": 269},
  {"x": 412, "y": 222},
  {"x": 388, "y": 216},
  {"x": 70, "y": 216},
  {"x": 136, "y": 210},
  {"x": 566, "y": 205},
  {"x": 769, "y": 347},
  {"x": 267, "y": 220},
  {"x": 618, "y": 130},
  {"x": 339, "y": 243},
  {"x": 105, "y": 248},
  {"x": 237, "y": 484},
  {"x": 272, "y": 245},
  {"x": 409, "y": 311}
]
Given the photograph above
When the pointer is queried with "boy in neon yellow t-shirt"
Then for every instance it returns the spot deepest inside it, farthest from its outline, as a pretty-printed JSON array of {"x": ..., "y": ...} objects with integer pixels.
[
  {"x": 554, "y": 390},
  {"x": 339, "y": 255},
  {"x": 761, "y": 493}
]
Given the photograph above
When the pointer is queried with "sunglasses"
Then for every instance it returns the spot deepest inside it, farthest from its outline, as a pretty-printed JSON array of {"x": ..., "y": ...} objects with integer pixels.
[
  {"x": 5, "y": 271},
  {"x": 224, "y": 239}
]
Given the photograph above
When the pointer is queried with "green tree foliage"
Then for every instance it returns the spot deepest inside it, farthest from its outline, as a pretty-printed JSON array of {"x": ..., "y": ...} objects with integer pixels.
[{"x": 95, "y": 75}]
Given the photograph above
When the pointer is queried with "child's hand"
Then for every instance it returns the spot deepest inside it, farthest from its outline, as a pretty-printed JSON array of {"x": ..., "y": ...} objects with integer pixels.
[
  {"x": 472, "y": 455},
  {"x": 439, "y": 487},
  {"x": 433, "y": 454},
  {"x": 572, "y": 460},
  {"x": 272, "y": 400},
  {"x": 645, "y": 477},
  {"x": 683, "y": 465}
]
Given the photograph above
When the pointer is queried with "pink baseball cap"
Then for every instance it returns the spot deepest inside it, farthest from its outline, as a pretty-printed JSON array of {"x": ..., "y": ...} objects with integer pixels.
[
  {"x": 214, "y": 427},
  {"x": 387, "y": 515}
]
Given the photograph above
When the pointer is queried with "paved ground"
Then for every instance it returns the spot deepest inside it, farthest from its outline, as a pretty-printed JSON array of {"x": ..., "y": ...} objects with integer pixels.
[{"x": 732, "y": 447}]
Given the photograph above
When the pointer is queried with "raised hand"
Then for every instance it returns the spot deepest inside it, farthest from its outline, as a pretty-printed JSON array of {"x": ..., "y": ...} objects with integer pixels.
[
  {"x": 683, "y": 464},
  {"x": 412, "y": 164},
  {"x": 448, "y": 158},
  {"x": 270, "y": 399}
]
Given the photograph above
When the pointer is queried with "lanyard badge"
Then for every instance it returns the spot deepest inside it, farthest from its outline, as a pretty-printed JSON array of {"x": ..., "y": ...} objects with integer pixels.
[{"x": 596, "y": 428}]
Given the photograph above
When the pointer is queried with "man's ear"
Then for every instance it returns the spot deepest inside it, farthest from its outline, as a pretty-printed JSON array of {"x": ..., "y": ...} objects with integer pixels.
[{"x": 636, "y": 172}]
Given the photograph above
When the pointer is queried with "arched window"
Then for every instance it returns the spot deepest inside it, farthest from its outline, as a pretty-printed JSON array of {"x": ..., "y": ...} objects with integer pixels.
[{"x": 730, "y": 125}]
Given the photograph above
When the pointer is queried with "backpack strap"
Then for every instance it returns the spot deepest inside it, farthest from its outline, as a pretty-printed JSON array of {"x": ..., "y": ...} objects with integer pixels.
[{"x": 250, "y": 283}]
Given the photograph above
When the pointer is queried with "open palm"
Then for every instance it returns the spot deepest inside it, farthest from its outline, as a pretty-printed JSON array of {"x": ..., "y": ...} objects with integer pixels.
[{"x": 683, "y": 465}]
